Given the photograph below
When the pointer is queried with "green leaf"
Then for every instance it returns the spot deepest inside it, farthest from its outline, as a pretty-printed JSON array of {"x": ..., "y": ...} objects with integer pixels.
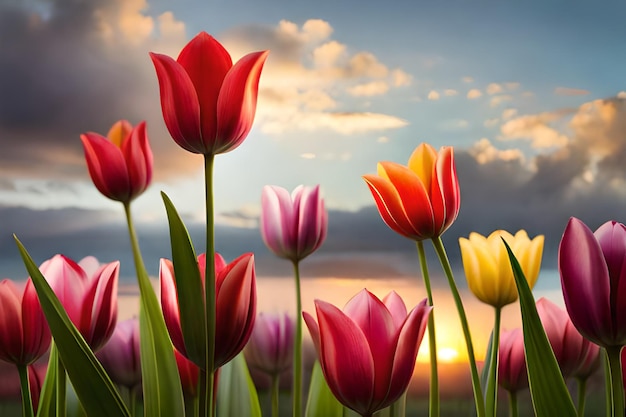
[
  {"x": 236, "y": 394},
  {"x": 93, "y": 387},
  {"x": 188, "y": 286},
  {"x": 321, "y": 402},
  {"x": 47, "y": 397},
  {"x": 549, "y": 393}
]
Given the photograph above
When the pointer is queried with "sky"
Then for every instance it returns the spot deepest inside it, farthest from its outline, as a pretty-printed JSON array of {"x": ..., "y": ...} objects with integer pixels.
[{"x": 532, "y": 95}]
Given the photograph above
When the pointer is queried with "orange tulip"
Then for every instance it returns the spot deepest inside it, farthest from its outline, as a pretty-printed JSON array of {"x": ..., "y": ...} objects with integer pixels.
[{"x": 421, "y": 200}]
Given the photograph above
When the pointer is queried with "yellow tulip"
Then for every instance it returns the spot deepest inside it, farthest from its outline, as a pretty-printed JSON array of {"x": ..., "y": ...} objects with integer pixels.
[{"x": 488, "y": 270}]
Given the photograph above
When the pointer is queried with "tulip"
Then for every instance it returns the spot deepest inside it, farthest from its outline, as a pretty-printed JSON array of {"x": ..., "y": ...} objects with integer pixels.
[
  {"x": 189, "y": 374},
  {"x": 120, "y": 356},
  {"x": 569, "y": 347},
  {"x": 368, "y": 350},
  {"x": 293, "y": 226},
  {"x": 235, "y": 286},
  {"x": 120, "y": 165},
  {"x": 512, "y": 374},
  {"x": 270, "y": 348},
  {"x": 24, "y": 333},
  {"x": 590, "y": 364},
  {"x": 488, "y": 269},
  {"x": 208, "y": 103},
  {"x": 419, "y": 201},
  {"x": 88, "y": 292}
]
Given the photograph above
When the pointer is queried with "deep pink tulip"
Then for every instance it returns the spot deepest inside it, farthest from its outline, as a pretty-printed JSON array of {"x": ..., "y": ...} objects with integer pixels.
[
  {"x": 235, "y": 287},
  {"x": 189, "y": 374},
  {"x": 120, "y": 165},
  {"x": 24, "y": 333},
  {"x": 590, "y": 364},
  {"x": 208, "y": 103},
  {"x": 293, "y": 226},
  {"x": 593, "y": 279},
  {"x": 512, "y": 374},
  {"x": 88, "y": 292},
  {"x": 368, "y": 350},
  {"x": 569, "y": 347},
  {"x": 120, "y": 356},
  {"x": 270, "y": 348},
  {"x": 10, "y": 381}
]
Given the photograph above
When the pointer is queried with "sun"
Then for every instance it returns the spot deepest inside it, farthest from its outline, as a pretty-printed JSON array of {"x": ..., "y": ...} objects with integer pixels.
[{"x": 447, "y": 354}]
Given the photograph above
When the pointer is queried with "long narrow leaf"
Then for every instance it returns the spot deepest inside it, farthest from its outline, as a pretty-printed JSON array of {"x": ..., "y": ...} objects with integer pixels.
[
  {"x": 47, "y": 396},
  {"x": 549, "y": 393},
  {"x": 93, "y": 387},
  {"x": 321, "y": 401},
  {"x": 188, "y": 286},
  {"x": 236, "y": 393}
]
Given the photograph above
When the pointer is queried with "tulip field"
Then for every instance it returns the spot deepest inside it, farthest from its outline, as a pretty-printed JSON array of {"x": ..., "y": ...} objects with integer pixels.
[{"x": 198, "y": 345}]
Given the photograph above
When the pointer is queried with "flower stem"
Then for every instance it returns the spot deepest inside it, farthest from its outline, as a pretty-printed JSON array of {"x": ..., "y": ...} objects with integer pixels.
[
  {"x": 433, "y": 402},
  {"x": 492, "y": 378},
  {"x": 617, "y": 384},
  {"x": 27, "y": 403},
  {"x": 275, "y": 393},
  {"x": 445, "y": 263},
  {"x": 297, "y": 347},
  {"x": 581, "y": 384},
  {"x": 608, "y": 395},
  {"x": 61, "y": 383},
  {"x": 210, "y": 283},
  {"x": 513, "y": 408}
]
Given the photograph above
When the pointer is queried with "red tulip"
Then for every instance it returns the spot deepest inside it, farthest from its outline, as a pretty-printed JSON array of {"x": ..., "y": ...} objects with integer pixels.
[
  {"x": 88, "y": 292},
  {"x": 419, "y": 201},
  {"x": 293, "y": 226},
  {"x": 512, "y": 374},
  {"x": 569, "y": 347},
  {"x": 24, "y": 333},
  {"x": 593, "y": 279},
  {"x": 270, "y": 348},
  {"x": 120, "y": 165},
  {"x": 368, "y": 350},
  {"x": 120, "y": 357},
  {"x": 208, "y": 103},
  {"x": 235, "y": 287}
]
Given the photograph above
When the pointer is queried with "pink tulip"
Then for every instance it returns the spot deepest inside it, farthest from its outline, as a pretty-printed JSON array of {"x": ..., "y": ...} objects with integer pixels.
[
  {"x": 10, "y": 381},
  {"x": 569, "y": 347},
  {"x": 88, "y": 292},
  {"x": 590, "y": 364},
  {"x": 208, "y": 103},
  {"x": 293, "y": 226},
  {"x": 189, "y": 374},
  {"x": 593, "y": 279},
  {"x": 24, "y": 333},
  {"x": 235, "y": 287},
  {"x": 512, "y": 374},
  {"x": 120, "y": 165},
  {"x": 270, "y": 348},
  {"x": 120, "y": 357},
  {"x": 368, "y": 350}
]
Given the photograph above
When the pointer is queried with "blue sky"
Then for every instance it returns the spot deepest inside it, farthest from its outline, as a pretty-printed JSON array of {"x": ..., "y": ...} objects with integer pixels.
[{"x": 531, "y": 94}]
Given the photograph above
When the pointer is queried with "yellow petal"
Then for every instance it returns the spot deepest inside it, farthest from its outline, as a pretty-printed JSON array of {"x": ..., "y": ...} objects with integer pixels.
[
  {"x": 119, "y": 131},
  {"x": 422, "y": 162}
]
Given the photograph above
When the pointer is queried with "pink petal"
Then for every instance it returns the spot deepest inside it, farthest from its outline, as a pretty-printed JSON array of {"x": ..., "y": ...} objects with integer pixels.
[
  {"x": 278, "y": 221},
  {"x": 236, "y": 105},
  {"x": 169, "y": 304},
  {"x": 179, "y": 103},
  {"x": 396, "y": 307},
  {"x": 106, "y": 166},
  {"x": 310, "y": 221},
  {"x": 103, "y": 312},
  {"x": 11, "y": 332},
  {"x": 69, "y": 283},
  {"x": 206, "y": 62},
  {"x": 36, "y": 332}
]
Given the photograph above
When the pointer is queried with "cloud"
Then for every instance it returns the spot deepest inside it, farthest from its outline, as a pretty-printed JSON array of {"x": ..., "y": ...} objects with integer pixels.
[
  {"x": 374, "y": 88},
  {"x": 450, "y": 92},
  {"x": 508, "y": 113},
  {"x": 494, "y": 88},
  {"x": 497, "y": 100},
  {"x": 484, "y": 152},
  {"x": 535, "y": 128},
  {"x": 345, "y": 123},
  {"x": 566, "y": 91},
  {"x": 400, "y": 78},
  {"x": 489, "y": 123},
  {"x": 512, "y": 86},
  {"x": 433, "y": 95},
  {"x": 474, "y": 93},
  {"x": 467, "y": 79}
]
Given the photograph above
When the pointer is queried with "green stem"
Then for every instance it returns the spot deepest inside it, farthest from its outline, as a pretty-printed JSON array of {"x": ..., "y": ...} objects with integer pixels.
[
  {"x": 27, "y": 403},
  {"x": 492, "y": 379},
  {"x": 617, "y": 384},
  {"x": 61, "y": 389},
  {"x": 445, "y": 263},
  {"x": 202, "y": 399},
  {"x": 210, "y": 283},
  {"x": 398, "y": 408},
  {"x": 581, "y": 384},
  {"x": 275, "y": 393},
  {"x": 513, "y": 408},
  {"x": 432, "y": 341},
  {"x": 297, "y": 347},
  {"x": 608, "y": 395},
  {"x": 191, "y": 405}
]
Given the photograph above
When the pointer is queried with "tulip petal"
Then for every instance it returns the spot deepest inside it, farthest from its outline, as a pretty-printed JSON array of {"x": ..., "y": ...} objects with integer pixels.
[
  {"x": 169, "y": 304},
  {"x": 35, "y": 328},
  {"x": 11, "y": 331},
  {"x": 585, "y": 281},
  {"x": 422, "y": 162},
  {"x": 102, "y": 312},
  {"x": 179, "y": 103},
  {"x": 68, "y": 281},
  {"x": 119, "y": 131},
  {"x": 206, "y": 62},
  {"x": 310, "y": 222},
  {"x": 352, "y": 381},
  {"x": 278, "y": 221},
  {"x": 448, "y": 188},
  {"x": 106, "y": 166},
  {"x": 138, "y": 155},
  {"x": 396, "y": 307},
  {"x": 389, "y": 205},
  {"x": 236, "y": 104}
]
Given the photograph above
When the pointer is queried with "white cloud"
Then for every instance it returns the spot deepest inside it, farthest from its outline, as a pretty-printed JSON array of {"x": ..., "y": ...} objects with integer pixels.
[
  {"x": 383, "y": 139},
  {"x": 508, "y": 113},
  {"x": 308, "y": 155},
  {"x": 433, "y": 95},
  {"x": 328, "y": 54},
  {"x": 621, "y": 95},
  {"x": 373, "y": 88},
  {"x": 567, "y": 91},
  {"x": 450, "y": 92},
  {"x": 494, "y": 88},
  {"x": 467, "y": 79},
  {"x": 497, "y": 100},
  {"x": 474, "y": 93},
  {"x": 537, "y": 129},
  {"x": 512, "y": 86},
  {"x": 343, "y": 123},
  {"x": 484, "y": 152},
  {"x": 399, "y": 78}
]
